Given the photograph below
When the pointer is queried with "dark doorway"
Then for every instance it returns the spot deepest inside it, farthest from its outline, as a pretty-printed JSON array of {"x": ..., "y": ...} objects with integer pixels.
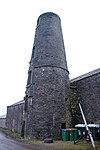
[
  {"x": 23, "y": 129},
  {"x": 63, "y": 125}
]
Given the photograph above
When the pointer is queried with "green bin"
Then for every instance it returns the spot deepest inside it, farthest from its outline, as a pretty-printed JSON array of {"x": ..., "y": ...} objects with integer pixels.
[
  {"x": 65, "y": 135},
  {"x": 71, "y": 135}
]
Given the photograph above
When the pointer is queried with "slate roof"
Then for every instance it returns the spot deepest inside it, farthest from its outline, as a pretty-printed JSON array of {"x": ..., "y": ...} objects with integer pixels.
[
  {"x": 3, "y": 117},
  {"x": 18, "y": 103},
  {"x": 91, "y": 73}
]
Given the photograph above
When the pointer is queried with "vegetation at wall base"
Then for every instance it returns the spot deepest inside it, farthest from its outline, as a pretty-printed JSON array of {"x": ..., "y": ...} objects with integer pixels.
[
  {"x": 56, "y": 145},
  {"x": 10, "y": 133}
]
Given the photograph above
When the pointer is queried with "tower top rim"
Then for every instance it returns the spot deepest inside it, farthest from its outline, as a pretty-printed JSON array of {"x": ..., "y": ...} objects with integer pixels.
[{"x": 48, "y": 14}]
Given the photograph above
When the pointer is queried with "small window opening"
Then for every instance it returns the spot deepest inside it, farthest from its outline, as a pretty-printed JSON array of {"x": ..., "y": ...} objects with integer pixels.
[
  {"x": 26, "y": 103},
  {"x": 66, "y": 99},
  {"x": 63, "y": 125},
  {"x": 23, "y": 129},
  {"x": 29, "y": 77}
]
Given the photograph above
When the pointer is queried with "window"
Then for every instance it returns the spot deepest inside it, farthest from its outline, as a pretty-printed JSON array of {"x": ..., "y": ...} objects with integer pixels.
[
  {"x": 29, "y": 77},
  {"x": 26, "y": 103}
]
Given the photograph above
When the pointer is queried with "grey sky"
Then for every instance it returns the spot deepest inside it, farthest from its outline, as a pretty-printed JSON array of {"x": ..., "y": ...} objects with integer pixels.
[{"x": 81, "y": 31}]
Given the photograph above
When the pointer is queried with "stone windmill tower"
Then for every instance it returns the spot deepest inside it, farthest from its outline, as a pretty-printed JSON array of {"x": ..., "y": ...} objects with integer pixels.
[{"x": 48, "y": 81}]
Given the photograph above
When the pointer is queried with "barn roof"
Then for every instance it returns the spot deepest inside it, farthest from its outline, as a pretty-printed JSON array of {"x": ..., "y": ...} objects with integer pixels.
[
  {"x": 3, "y": 117},
  {"x": 91, "y": 73}
]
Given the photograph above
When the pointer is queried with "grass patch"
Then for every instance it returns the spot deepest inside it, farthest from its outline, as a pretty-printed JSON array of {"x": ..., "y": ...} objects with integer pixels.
[
  {"x": 56, "y": 145},
  {"x": 10, "y": 133}
]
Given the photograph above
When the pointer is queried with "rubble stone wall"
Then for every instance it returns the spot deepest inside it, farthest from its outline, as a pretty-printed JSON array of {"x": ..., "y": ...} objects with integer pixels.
[
  {"x": 88, "y": 88},
  {"x": 15, "y": 117}
]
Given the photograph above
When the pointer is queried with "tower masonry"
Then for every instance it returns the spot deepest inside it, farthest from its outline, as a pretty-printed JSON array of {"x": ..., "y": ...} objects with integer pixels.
[{"x": 48, "y": 81}]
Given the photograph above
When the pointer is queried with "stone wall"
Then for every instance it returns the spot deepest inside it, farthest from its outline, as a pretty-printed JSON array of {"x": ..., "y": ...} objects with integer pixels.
[
  {"x": 74, "y": 106},
  {"x": 88, "y": 88},
  {"x": 15, "y": 117},
  {"x": 46, "y": 110},
  {"x": 2, "y": 122}
]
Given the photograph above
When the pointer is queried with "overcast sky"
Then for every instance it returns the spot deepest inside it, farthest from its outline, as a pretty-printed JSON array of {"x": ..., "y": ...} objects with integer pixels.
[{"x": 81, "y": 31}]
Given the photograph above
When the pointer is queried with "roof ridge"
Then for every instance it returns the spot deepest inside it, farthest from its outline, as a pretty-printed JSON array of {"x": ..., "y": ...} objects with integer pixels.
[{"x": 91, "y": 73}]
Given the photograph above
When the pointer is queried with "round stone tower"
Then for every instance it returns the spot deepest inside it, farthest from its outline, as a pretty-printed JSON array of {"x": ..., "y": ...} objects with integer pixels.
[{"x": 48, "y": 81}]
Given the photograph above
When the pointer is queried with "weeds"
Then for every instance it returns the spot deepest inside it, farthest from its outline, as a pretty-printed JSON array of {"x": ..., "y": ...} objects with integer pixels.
[{"x": 56, "y": 145}]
